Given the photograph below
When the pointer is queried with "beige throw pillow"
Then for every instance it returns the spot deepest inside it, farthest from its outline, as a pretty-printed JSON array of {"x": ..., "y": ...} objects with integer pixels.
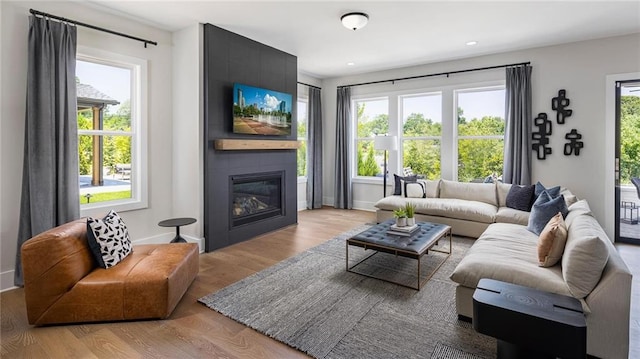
[
  {"x": 585, "y": 255},
  {"x": 551, "y": 241}
]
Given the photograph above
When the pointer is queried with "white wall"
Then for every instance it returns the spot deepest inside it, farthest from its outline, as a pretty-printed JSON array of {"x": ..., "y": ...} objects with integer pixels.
[
  {"x": 188, "y": 138},
  {"x": 580, "y": 68},
  {"x": 142, "y": 224}
]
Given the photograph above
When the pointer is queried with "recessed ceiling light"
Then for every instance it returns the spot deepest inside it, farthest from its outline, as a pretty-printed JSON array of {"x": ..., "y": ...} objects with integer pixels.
[
  {"x": 350, "y": 63},
  {"x": 471, "y": 43}
]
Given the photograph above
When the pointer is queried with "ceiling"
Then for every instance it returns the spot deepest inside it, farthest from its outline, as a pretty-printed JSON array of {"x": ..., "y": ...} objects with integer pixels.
[{"x": 399, "y": 33}]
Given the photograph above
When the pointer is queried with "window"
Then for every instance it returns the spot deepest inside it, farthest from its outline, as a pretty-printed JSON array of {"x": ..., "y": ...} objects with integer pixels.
[
  {"x": 480, "y": 128},
  {"x": 451, "y": 132},
  {"x": 110, "y": 130},
  {"x": 302, "y": 137},
  {"x": 372, "y": 118},
  {"x": 422, "y": 133}
]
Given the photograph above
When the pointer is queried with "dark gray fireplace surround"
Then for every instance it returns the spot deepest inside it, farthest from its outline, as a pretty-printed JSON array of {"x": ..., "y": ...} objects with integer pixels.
[{"x": 230, "y": 58}]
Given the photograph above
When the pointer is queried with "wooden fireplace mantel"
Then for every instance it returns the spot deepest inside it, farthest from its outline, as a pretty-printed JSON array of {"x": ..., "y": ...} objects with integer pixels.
[{"x": 244, "y": 144}]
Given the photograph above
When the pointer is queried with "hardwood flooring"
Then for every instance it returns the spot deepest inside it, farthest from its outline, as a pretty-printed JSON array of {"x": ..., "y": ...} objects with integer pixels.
[{"x": 194, "y": 331}]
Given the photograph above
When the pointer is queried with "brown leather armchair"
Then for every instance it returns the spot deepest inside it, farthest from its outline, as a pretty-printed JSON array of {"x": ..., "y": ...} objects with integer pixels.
[{"x": 63, "y": 283}]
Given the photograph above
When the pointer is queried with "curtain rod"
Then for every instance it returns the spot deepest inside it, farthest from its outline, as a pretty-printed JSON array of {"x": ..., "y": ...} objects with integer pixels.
[
  {"x": 315, "y": 87},
  {"x": 438, "y": 74},
  {"x": 78, "y": 23}
]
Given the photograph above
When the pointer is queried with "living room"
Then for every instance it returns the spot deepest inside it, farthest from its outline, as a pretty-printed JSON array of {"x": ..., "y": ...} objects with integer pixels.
[{"x": 175, "y": 164}]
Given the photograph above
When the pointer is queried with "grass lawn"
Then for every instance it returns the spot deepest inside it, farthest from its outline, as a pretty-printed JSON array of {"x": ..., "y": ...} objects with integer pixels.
[{"x": 105, "y": 196}]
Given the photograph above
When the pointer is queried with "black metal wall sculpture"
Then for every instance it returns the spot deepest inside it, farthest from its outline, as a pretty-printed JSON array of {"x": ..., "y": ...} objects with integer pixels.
[
  {"x": 541, "y": 137},
  {"x": 573, "y": 146},
  {"x": 559, "y": 104}
]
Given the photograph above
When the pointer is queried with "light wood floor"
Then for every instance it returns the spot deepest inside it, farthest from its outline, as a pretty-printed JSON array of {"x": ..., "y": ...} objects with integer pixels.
[{"x": 194, "y": 331}]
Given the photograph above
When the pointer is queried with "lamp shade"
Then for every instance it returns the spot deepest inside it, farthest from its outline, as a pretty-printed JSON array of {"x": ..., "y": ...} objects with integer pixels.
[
  {"x": 354, "y": 20},
  {"x": 387, "y": 143}
]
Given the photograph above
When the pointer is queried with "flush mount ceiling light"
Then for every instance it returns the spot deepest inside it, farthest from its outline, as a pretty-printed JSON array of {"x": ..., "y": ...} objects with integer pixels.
[{"x": 354, "y": 20}]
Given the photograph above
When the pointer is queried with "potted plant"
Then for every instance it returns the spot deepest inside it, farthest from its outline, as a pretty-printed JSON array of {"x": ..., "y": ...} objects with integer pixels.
[
  {"x": 410, "y": 210},
  {"x": 401, "y": 217}
]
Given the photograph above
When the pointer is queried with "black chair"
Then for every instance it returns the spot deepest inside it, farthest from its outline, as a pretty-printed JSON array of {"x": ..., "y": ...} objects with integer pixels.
[
  {"x": 630, "y": 209},
  {"x": 636, "y": 182}
]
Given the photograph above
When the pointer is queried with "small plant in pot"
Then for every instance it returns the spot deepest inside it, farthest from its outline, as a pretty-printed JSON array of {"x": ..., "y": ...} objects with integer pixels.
[
  {"x": 410, "y": 210},
  {"x": 401, "y": 217}
]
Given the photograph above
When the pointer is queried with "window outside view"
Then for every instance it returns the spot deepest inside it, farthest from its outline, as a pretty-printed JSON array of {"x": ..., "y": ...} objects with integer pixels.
[
  {"x": 422, "y": 134},
  {"x": 480, "y": 135},
  {"x": 629, "y": 134},
  {"x": 372, "y": 119},
  {"x": 104, "y": 131},
  {"x": 302, "y": 137}
]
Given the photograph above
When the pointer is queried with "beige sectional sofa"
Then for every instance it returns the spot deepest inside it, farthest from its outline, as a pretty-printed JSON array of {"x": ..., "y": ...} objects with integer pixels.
[
  {"x": 590, "y": 269},
  {"x": 469, "y": 208}
]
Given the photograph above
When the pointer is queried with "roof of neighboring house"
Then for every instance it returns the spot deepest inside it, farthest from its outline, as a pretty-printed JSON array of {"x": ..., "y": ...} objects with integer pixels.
[{"x": 89, "y": 96}]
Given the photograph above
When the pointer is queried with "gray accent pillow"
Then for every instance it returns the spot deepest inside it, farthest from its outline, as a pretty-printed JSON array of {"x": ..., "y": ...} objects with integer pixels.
[
  {"x": 553, "y": 191},
  {"x": 544, "y": 208},
  {"x": 520, "y": 197}
]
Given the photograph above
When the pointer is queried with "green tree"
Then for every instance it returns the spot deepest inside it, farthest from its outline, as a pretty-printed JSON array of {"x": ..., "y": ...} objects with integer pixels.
[
  {"x": 479, "y": 158},
  {"x": 379, "y": 125},
  {"x": 360, "y": 159},
  {"x": 302, "y": 159},
  {"x": 370, "y": 166},
  {"x": 85, "y": 144},
  {"x": 302, "y": 150},
  {"x": 629, "y": 138},
  {"x": 417, "y": 125},
  {"x": 461, "y": 119}
]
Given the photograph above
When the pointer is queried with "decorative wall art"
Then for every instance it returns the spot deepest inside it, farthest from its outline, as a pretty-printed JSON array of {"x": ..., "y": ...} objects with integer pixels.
[
  {"x": 560, "y": 104},
  {"x": 573, "y": 146},
  {"x": 541, "y": 136}
]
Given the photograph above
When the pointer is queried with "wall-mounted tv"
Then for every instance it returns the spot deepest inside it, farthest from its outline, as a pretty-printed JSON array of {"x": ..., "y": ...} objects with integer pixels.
[{"x": 259, "y": 111}]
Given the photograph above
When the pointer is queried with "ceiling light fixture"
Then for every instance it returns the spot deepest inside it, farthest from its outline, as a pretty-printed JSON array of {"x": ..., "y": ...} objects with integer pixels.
[
  {"x": 471, "y": 43},
  {"x": 354, "y": 20},
  {"x": 350, "y": 63}
]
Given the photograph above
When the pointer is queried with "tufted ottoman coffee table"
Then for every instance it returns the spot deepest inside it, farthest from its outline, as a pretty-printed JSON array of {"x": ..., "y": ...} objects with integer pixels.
[{"x": 414, "y": 246}]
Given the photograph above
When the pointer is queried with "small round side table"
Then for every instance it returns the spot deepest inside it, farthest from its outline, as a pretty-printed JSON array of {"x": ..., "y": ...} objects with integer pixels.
[{"x": 177, "y": 222}]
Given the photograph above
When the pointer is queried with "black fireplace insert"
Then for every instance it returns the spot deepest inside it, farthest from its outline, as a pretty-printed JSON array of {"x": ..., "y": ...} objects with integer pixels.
[{"x": 255, "y": 197}]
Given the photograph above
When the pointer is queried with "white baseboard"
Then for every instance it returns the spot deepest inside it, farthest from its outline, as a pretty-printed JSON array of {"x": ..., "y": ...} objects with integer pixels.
[
  {"x": 302, "y": 205},
  {"x": 364, "y": 206},
  {"x": 361, "y": 205},
  {"x": 6, "y": 281},
  {"x": 6, "y": 278}
]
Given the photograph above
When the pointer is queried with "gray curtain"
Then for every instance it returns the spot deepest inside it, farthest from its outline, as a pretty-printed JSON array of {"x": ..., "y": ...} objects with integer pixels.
[
  {"x": 343, "y": 195},
  {"x": 517, "y": 141},
  {"x": 314, "y": 150},
  {"x": 50, "y": 171}
]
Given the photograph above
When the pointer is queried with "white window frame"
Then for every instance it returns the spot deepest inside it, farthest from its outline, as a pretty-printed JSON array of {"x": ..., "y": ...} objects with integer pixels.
[
  {"x": 448, "y": 139},
  {"x": 354, "y": 136},
  {"x": 456, "y": 137},
  {"x": 402, "y": 137},
  {"x": 305, "y": 99},
  {"x": 139, "y": 113}
]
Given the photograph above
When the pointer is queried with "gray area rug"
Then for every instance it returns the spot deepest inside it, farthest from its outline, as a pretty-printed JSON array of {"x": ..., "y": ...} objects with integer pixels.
[{"x": 311, "y": 303}]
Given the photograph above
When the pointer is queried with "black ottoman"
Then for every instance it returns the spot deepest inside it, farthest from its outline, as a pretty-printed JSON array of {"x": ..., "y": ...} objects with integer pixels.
[{"x": 529, "y": 323}]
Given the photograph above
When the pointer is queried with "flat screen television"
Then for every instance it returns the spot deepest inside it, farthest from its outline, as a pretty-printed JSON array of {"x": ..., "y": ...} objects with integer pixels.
[{"x": 259, "y": 111}]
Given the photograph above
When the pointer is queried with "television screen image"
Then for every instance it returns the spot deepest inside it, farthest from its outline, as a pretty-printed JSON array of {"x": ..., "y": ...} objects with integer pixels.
[{"x": 258, "y": 111}]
